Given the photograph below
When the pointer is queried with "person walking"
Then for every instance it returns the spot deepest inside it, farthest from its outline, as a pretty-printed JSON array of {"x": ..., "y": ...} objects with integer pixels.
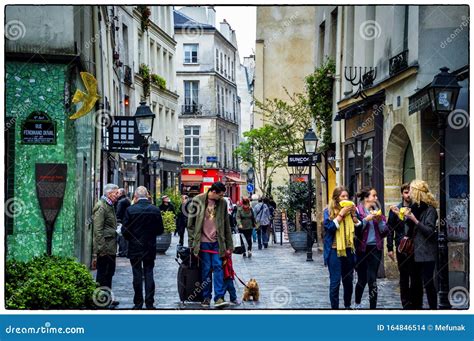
[
  {"x": 120, "y": 207},
  {"x": 398, "y": 229},
  {"x": 141, "y": 225},
  {"x": 369, "y": 245},
  {"x": 339, "y": 246},
  {"x": 245, "y": 223},
  {"x": 182, "y": 218},
  {"x": 105, "y": 238},
  {"x": 262, "y": 217},
  {"x": 210, "y": 238},
  {"x": 166, "y": 204},
  {"x": 423, "y": 217},
  {"x": 253, "y": 203}
]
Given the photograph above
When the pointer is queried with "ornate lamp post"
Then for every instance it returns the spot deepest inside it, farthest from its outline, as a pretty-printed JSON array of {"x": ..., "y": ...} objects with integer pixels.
[
  {"x": 443, "y": 93},
  {"x": 155, "y": 154},
  {"x": 144, "y": 118},
  {"x": 310, "y": 142},
  {"x": 250, "y": 175}
]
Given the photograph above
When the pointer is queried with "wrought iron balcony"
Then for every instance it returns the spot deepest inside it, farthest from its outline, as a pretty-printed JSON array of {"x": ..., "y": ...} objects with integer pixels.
[
  {"x": 398, "y": 63},
  {"x": 191, "y": 109},
  {"x": 127, "y": 74}
]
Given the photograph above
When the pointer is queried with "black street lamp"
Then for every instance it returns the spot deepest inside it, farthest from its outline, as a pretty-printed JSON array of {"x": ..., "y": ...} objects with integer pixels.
[
  {"x": 250, "y": 175},
  {"x": 310, "y": 143},
  {"x": 443, "y": 93},
  {"x": 144, "y": 118},
  {"x": 155, "y": 154}
]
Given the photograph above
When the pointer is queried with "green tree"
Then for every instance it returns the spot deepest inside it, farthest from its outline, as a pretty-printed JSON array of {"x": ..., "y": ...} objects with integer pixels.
[{"x": 264, "y": 150}]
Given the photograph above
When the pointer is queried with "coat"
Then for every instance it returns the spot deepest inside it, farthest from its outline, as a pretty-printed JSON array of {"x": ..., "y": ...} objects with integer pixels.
[
  {"x": 166, "y": 208},
  {"x": 141, "y": 225},
  {"x": 122, "y": 204},
  {"x": 244, "y": 218},
  {"x": 426, "y": 233},
  {"x": 196, "y": 222},
  {"x": 105, "y": 226},
  {"x": 362, "y": 232},
  {"x": 182, "y": 218}
]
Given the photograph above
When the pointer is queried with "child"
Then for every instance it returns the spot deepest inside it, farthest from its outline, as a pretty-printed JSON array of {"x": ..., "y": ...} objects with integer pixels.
[{"x": 229, "y": 279}]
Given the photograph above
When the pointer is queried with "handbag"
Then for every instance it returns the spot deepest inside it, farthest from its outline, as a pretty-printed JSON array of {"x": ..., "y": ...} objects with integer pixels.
[
  {"x": 237, "y": 241},
  {"x": 406, "y": 246}
]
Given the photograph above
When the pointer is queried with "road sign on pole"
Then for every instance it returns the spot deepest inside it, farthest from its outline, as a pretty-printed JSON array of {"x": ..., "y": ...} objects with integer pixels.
[{"x": 250, "y": 188}]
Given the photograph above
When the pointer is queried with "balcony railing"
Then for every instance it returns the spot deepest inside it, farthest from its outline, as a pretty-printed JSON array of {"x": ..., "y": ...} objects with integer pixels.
[
  {"x": 127, "y": 74},
  {"x": 398, "y": 63},
  {"x": 191, "y": 109}
]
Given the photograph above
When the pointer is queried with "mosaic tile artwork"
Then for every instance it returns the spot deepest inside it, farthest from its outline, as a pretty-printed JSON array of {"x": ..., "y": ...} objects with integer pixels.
[{"x": 39, "y": 87}]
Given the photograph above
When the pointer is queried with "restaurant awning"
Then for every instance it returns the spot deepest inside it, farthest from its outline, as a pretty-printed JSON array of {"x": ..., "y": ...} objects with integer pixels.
[
  {"x": 191, "y": 178},
  {"x": 235, "y": 180}
]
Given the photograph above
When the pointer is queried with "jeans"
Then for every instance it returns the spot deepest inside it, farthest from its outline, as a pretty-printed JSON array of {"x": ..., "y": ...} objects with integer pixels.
[
  {"x": 105, "y": 270},
  {"x": 340, "y": 268},
  {"x": 229, "y": 286},
  {"x": 122, "y": 246},
  {"x": 211, "y": 270},
  {"x": 367, "y": 267},
  {"x": 143, "y": 268},
  {"x": 425, "y": 272},
  {"x": 254, "y": 235},
  {"x": 262, "y": 236},
  {"x": 248, "y": 238},
  {"x": 409, "y": 282}
]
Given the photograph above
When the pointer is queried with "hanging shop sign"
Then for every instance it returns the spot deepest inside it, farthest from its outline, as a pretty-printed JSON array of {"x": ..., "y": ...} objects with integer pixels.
[
  {"x": 418, "y": 102},
  {"x": 302, "y": 160},
  {"x": 50, "y": 189},
  {"x": 38, "y": 128},
  {"x": 88, "y": 99},
  {"x": 124, "y": 136}
]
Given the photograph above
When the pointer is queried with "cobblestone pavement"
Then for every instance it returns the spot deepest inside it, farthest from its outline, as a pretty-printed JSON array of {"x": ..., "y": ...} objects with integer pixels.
[{"x": 285, "y": 279}]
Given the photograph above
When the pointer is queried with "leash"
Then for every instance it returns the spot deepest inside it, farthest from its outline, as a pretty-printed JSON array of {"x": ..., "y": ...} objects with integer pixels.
[{"x": 216, "y": 252}]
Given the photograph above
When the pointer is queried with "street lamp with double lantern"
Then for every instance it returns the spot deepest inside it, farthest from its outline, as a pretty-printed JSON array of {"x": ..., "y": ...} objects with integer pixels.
[{"x": 310, "y": 143}]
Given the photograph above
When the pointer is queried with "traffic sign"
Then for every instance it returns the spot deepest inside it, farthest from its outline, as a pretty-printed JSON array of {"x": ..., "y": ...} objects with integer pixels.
[{"x": 250, "y": 188}]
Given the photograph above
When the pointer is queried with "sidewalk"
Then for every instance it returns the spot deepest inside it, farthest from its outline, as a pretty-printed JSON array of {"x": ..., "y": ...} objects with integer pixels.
[{"x": 285, "y": 279}]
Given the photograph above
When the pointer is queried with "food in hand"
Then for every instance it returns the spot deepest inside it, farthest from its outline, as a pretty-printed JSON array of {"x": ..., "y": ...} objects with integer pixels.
[
  {"x": 377, "y": 213},
  {"x": 346, "y": 203},
  {"x": 402, "y": 213}
]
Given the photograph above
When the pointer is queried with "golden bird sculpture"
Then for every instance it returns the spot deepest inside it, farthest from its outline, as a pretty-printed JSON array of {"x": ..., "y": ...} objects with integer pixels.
[{"x": 88, "y": 99}]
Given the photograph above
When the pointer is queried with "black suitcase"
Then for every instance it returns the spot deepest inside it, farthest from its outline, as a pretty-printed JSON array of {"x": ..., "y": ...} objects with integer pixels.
[{"x": 189, "y": 276}]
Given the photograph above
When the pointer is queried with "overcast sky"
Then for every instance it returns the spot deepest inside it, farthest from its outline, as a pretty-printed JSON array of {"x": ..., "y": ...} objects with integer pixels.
[{"x": 243, "y": 20}]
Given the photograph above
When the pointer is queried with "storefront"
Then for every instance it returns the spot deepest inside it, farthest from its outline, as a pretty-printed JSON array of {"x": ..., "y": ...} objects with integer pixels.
[{"x": 199, "y": 180}]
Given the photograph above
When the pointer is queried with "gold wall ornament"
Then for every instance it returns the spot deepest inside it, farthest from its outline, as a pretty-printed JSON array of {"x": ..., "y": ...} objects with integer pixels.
[{"x": 88, "y": 99}]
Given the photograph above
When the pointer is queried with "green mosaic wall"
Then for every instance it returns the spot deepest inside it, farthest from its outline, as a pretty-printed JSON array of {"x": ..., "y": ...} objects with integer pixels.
[{"x": 39, "y": 87}]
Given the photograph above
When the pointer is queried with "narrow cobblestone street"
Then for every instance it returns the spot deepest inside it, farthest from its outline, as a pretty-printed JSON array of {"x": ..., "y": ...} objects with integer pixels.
[{"x": 286, "y": 281}]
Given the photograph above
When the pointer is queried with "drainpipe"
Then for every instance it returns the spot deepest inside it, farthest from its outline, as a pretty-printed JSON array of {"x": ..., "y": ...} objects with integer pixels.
[{"x": 339, "y": 85}]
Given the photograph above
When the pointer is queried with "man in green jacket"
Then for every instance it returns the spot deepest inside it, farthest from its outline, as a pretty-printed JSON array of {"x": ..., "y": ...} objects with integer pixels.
[
  {"x": 105, "y": 237},
  {"x": 210, "y": 237}
]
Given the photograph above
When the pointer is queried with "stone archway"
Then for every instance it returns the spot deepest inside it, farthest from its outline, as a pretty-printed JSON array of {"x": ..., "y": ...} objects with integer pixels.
[{"x": 394, "y": 163}]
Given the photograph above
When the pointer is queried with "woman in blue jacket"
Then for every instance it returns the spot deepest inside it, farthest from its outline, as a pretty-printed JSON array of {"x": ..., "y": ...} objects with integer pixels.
[{"x": 339, "y": 251}]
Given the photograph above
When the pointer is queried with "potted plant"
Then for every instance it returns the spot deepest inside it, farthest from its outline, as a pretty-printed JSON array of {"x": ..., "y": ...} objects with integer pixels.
[
  {"x": 163, "y": 241},
  {"x": 294, "y": 197}
]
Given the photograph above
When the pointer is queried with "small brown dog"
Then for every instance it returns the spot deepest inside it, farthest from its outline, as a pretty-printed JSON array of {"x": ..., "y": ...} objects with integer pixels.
[{"x": 251, "y": 291}]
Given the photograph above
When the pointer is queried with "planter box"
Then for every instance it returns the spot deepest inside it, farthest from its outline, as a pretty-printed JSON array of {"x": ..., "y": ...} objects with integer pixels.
[
  {"x": 298, "y": 240},
  {"x": 163, "y": 242}
]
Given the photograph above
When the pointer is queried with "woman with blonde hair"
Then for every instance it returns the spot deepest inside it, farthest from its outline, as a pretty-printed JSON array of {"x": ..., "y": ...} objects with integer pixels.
[
  {"x": 339, "y": 247},
  {"x": 422, "y": 218}
]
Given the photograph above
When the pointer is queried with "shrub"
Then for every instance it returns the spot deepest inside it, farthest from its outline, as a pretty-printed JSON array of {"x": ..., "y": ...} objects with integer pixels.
[
  {"x": 169, "y": 221},
  {"x": 48, "y": 282},
  {"x": 158, "y": 80}
]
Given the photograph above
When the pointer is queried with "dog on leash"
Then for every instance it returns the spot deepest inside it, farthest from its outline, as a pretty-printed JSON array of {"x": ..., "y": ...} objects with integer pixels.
[{"x": 251, "y": 291}]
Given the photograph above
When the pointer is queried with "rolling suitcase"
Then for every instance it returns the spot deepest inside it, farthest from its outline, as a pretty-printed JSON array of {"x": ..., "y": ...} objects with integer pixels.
[{"x": 189, "y": 276}]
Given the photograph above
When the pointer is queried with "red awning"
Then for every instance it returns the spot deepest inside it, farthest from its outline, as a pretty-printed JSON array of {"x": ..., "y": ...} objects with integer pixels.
[{"x": 235, "y": 180}]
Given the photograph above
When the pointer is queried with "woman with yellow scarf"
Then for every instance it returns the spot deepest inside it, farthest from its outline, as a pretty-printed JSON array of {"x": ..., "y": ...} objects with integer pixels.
[{"x": 340, "y": 220}]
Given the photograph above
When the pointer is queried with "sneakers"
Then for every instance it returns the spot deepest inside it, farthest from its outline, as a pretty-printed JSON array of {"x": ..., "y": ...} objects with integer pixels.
[
  {"x": 220, "y": 303},
  {"x": 206, "y": 302},
  {"x": 234, "y": 302}
]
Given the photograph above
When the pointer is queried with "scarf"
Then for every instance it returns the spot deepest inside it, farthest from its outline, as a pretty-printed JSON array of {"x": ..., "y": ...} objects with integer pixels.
[
  {"x": 107, "y": 200},
  {"x": 345, "y": 236},
  {"x": 246, "y": 208}
]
